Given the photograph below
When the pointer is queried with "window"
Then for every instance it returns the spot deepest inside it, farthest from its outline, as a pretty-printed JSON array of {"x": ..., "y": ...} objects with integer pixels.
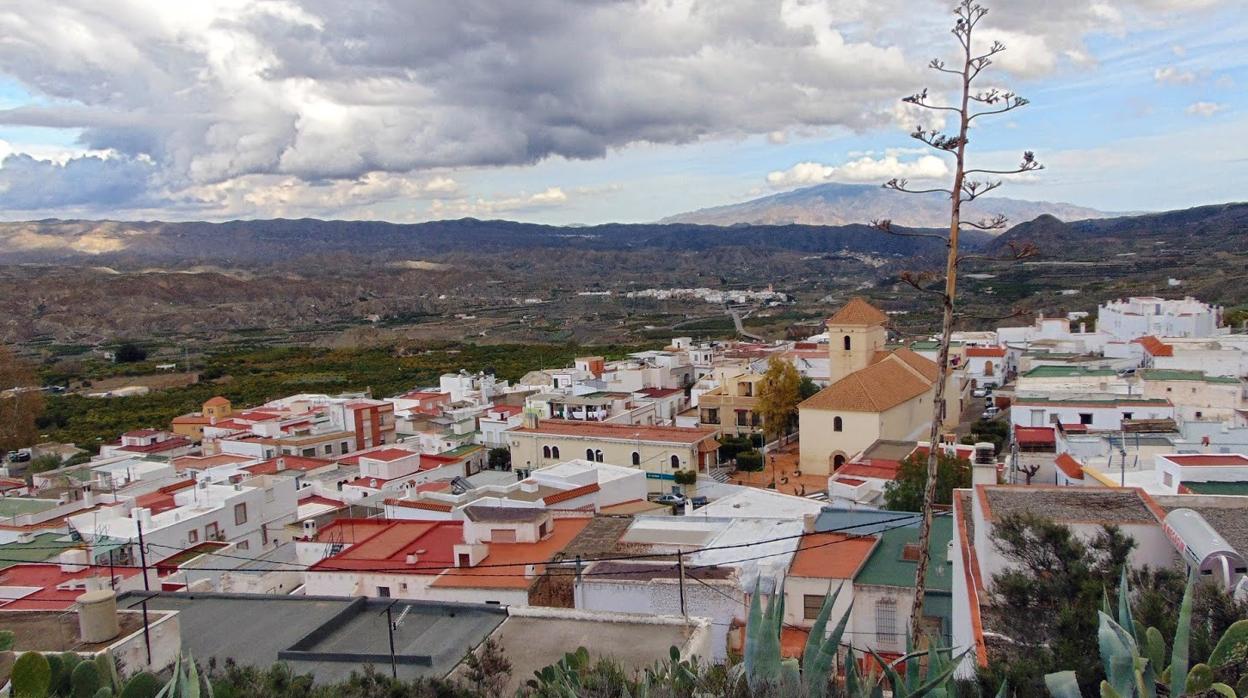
[
  {"x": 503, "y": 535},
  {"x": 636, "y": 458},
  {"x": 1126, "y": 416},
  {"x": 211, "y": 531},
  {"x": 886, "y": 621},
  {"x": 846, "y": 342},
  {"x": 545, "y": 451},
  {"x": 383, "y": 592},
  {"x": 244, "y": 545},
  {"x": 589, "y": 454},
  {"x": 811, "y": 605},
  {"x": 329, "y": 449},
  {"x": 838, "y": 460},
  {"x": 1085, "y": 417},
  {"x": 710, "y": 416},
  {"x": 1199, "y": 414},
  {"x": 675, "y": 461},
  {"x": 837, "y": 424},
  {"x": 192, "y": 536},
  {"x": 743, "y": 418},
  {"x": 598, "y": 455},
  {"x": 309, "y": 452},
  {"x": 240, "y": 514},
  {"x": 554, "y": 451}
]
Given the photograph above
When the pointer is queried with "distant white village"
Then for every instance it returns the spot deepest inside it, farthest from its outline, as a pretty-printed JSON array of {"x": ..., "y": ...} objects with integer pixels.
[{"x": 606, "y": 493}]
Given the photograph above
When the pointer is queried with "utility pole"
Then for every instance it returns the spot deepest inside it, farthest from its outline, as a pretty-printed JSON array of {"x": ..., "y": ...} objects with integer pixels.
[
  {"x": 394, "y": 665},
  {"x": 147, "y": 587},
  {"x": 680, "y": 565}
]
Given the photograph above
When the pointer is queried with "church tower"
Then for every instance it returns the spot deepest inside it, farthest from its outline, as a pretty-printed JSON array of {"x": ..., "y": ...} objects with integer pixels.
[{"x": 855, "y": 333}]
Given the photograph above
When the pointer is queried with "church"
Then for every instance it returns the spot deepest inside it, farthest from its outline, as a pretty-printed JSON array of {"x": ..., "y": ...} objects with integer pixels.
[{"x": 875, "y": 393}]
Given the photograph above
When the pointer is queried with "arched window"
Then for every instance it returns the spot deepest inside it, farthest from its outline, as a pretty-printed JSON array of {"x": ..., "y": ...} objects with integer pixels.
[
  {"x": 675, "y": 461},
  {"x": 837, "y": 424},
  {"x": 554, "y": 451},
  {"x": 598, "y": 455},
  {"x": 589, "y": 454},
  {"x": 838, "y": 461},
  {"x": 846, "y": 342},
  {"x": 545, "y": 451},
  {"x": 636, "y": 458}
]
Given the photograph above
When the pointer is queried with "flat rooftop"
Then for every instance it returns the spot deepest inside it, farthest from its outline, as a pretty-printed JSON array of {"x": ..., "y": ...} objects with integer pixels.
[
  {"x": 1070, "y": 504},
  {"x": 323, "y": 636}
]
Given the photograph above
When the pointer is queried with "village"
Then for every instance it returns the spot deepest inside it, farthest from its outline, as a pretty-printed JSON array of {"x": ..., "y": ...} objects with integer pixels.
[{"x": 639, "y": 502}]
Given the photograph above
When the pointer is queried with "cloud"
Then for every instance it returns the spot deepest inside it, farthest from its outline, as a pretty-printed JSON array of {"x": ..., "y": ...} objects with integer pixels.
[
  {"x": 480, "y": 206},
  {"x": 217, "y": 93},
  {"x": 862, "y": 169},
  {"x": 1203, "y": 108},
  {"x": 29, "y": 184},
  {"x": 1173, "y": 76}
]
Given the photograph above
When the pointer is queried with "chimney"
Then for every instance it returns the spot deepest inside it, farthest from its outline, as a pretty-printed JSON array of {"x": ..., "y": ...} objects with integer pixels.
[
  {"x": 808, "y": 522},
  {"x": 97, "y": 616},
  {"x": 410, "y": 559}
]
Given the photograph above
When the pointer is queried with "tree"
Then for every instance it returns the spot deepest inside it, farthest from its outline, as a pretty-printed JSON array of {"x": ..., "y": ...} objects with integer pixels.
[
  {"x": 487, "y": 670},
  {"x": 129, "y": 353},
  {"x": 808, "y": 387},
  {"x": 778, "y": 395},
  {"x": 21, "y": 402},
  {"x": 500, "y": 458},
  {"x": 1048, "y": 599},
  {"x": 972, "y": 61},
  {"x": 906, "y": 492}
]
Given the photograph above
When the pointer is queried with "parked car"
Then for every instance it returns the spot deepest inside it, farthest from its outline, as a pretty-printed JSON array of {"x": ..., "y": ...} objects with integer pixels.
[
  {"x": 670, "y": 498},
  {"x": 979, "y": 392},
  {"x": 699, "y": 501},
  {"x": 21, "y": 456},
  {"x": 990, "y": 412}
]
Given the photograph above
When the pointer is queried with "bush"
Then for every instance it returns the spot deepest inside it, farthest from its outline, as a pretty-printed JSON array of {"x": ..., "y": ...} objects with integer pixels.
[
  {"x": 750, "y": 460},
  {"x": 500, "y": 459},
  {"x": 129, "y": 353}
]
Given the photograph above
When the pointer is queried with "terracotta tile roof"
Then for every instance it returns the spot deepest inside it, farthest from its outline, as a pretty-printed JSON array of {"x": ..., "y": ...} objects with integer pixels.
[
  {"x": 386, "y": 550},
  {"x": 1155, "y": 346},
  {"x": 924, "y": 366},
  {"x": 1223, "y": 459},
  {"x": 1034, "y": 435},
  {"x": 1071, "y": 467},
  {"x": 858, "y": 312},
  {"x": 166, "y": 445},
  {"x": 985, "y": 351},
  {"x": 388, "y": 454},
  {"x": 851, "y": 481},
  {"x": 425, "y": 504},
  {"x": 216, "y": 400},
  {"x": 875, "y": 388},
  {"x": 878, "y": 471},
  {"x": 571, "y": 494},
  {"x": 831, "y": 556},
  {"x": 633, "y": 432}
]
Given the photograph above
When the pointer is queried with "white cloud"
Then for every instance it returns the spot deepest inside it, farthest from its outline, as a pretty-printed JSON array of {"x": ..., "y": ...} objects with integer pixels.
[
  {"x": 1173, "y": 76},
  {"x": 481, "y": 206},
  {"x": 862, "y": 169},
  {"x": 1204, "y": 108}
]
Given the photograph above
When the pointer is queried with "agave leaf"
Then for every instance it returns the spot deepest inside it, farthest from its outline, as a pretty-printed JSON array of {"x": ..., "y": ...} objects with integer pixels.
[
  {"x": 911, "y": 679},
  {"x": 1004, "y": 691},
  {"x": 937, "y": 680},
  {"x": 1124, "y": 604},
  {"x": 1062, "y": 684},
  {"x": 1182, "y": 636},
  {"x": 814, "y": 642},
  {"x": 852, "y": 687},
  {"x": 895, "y": 681},
  {"x": 790, "y": 678},
  {"x": 1108, "y": 691},
  {"x": 1117, "y": 655},
  {"x": 753, "y": 629},
  {"x": 815, "y": 676}
]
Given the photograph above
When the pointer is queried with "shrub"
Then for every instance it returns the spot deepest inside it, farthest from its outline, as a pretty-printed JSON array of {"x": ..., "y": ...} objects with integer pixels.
[{"x": 750, "y": 460}]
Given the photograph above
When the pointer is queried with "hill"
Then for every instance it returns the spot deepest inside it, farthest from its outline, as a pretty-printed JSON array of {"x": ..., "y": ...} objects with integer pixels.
[{"x": 845, "y": 204}]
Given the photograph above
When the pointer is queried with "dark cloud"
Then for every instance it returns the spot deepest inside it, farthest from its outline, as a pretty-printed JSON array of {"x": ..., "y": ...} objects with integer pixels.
[{"x": 29, "y": 184}]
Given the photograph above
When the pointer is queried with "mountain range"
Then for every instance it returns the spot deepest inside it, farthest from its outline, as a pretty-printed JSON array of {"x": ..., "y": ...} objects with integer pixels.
[{"x": 845, "y": 204}]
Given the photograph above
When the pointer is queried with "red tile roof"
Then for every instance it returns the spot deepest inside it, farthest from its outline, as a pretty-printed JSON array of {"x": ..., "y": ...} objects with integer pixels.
[
  {"x": 47, "y": 577},
  {"x": 1034, "y": 435},
  {"x": 282, "y": 463},
  {"x": 878, "y": 470},
  {"x": 985, "y": 352},
  {"x": 571, "y": 494},
  {"x": 858, "y": 312},
  {"x": 831, "y": 556},
  {"x": 215, "y": 401},
  {"x": 388, "y": 454},
  {"x": 1071, "y": 467},
  {"x": 386, "y": 550},
  {"x": 660, "y": 392},
  {"x": 1210, "y": 459},
  {"x": 1155, "y": 346},
  {"x": 166, "y": 445},
  {"x": 425, "y": 504}
]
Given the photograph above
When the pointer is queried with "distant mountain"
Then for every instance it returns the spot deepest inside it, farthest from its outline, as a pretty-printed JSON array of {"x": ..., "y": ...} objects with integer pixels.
[
  {"x": 1201, "y": 232},
  {"x": 259, "y": 242},
  {"x": 847, "y": 204}
]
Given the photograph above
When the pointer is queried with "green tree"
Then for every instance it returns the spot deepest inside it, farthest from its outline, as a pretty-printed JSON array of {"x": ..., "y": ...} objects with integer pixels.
[
  {"x": 808, "y": 387},
  {"x": 906, "y": 492},
  {"x": 21, "y": 402},
  {"x": 1048, "y": 599},
  {"x": 778, "y": 396},
  {"x": 500, "y": 458}
]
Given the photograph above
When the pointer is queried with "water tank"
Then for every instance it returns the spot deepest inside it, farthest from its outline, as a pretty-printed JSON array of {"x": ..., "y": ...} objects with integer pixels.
[
  {"x": 1203, "y": 549},
  {"x": 97, "y": 616}
]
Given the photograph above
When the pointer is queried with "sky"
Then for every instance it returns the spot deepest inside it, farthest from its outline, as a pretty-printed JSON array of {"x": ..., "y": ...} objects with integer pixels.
[{"x": 591, "y": 111}]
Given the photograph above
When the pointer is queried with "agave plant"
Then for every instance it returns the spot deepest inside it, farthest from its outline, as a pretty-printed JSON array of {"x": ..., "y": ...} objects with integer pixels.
[{"x": 1136, "y": 663}]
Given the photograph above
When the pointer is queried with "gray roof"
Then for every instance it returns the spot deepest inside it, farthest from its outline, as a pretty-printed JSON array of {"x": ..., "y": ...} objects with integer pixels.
[
  {"x": 327, "y": 637},
  {"x": 647, "y": 571},
  {"x": 1081, "y": 504},
  {"x": 481, "y": 512},
  {"x": 863, "y": 521}
]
